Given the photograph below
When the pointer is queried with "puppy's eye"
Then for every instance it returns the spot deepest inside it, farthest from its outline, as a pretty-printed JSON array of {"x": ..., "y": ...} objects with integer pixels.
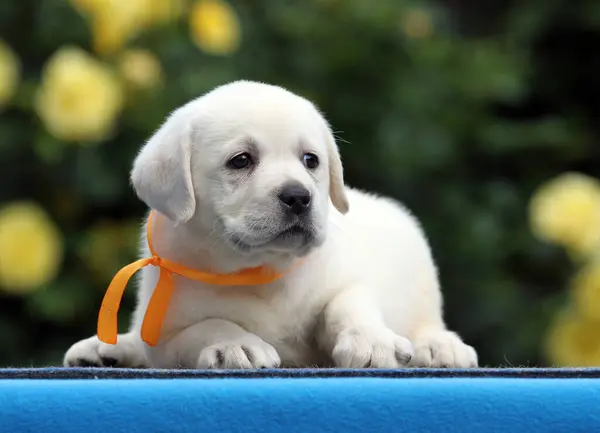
[
  {"x": 240, "y": 161},
  {"x": 311, "y": 161}
]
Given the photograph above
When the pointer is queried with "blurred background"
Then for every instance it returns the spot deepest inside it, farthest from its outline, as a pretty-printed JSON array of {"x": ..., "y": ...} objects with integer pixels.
[{"x": 482, "y": 117}]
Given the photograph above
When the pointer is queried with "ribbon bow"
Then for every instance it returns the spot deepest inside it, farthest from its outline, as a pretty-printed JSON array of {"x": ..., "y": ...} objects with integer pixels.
[{"x": 159, "y": 302}]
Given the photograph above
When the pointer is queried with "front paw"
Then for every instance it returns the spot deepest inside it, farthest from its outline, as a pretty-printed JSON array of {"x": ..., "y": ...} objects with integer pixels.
[
  {"x": 371, "y": 349},
  {"x": 443, "y": 349},
  {"x": 91, "y": 352},
  {"x": 251, "y": 352}
]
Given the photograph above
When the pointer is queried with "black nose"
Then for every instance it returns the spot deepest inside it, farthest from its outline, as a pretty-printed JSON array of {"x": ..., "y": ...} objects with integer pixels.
[{"x": 296, "y": 198}]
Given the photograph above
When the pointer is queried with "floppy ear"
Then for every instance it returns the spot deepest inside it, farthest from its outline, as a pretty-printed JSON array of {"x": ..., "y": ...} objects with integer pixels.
[
  {"x": 337, "y": 189},
  {"x": 161, "y": 174}
]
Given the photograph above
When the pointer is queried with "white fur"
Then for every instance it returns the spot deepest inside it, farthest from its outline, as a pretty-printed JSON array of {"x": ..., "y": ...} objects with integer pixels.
[{"x": 366, "y": 292}]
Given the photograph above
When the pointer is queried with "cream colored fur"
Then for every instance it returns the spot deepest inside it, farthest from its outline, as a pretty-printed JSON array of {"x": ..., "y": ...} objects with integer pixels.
[{"x": 365, "y": 295}]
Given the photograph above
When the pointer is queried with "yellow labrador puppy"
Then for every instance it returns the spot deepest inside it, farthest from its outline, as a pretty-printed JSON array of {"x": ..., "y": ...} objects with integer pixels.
[{"x": 250, "y": 175}]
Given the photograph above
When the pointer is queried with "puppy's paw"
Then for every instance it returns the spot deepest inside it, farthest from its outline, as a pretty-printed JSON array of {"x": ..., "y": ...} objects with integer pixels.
[
  {"x": 443, "y": 349},
  {"x": 91, "y": 352},
  {"x": 371, "y": 349},
  {"x": 249, "y": 352}
]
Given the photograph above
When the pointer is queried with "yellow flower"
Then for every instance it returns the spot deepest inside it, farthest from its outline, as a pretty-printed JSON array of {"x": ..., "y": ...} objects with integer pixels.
[
  {"x": 10, "y": 73},
  {"x": 80, "y": 97},
  {"x": 573, "y": 341},
  {"x": 586, "y": 291},
  {"x": 30, "y": 247},
  {"x": 163, "y": 11},
  {"x": 566, "y": 211},
  {"x": 215, "y": 27},
  {"x": 108, "y": 246},
  {"x": 417, "y": 24},
  {"x": 141, "y": 69},
  {"x": 114, "y": 22}
]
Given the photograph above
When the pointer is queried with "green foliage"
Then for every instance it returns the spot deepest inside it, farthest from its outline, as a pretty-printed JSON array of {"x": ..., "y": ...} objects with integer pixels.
[{"x": 461, "y": 125}]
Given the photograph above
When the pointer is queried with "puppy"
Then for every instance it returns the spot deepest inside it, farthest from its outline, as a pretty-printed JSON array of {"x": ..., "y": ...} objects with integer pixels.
[{"x": 248, "y": 175}]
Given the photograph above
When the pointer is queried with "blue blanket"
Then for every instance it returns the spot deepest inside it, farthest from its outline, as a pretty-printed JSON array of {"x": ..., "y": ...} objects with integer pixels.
[{"x": 116, "y": 400}]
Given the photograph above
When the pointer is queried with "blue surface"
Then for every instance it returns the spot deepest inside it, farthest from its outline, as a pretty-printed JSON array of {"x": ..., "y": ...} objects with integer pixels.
[{"x": 301, "y": 404}]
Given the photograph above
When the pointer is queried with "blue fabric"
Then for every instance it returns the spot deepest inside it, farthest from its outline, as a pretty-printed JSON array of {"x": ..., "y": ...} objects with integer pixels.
[{"x": 295, "y": 401}]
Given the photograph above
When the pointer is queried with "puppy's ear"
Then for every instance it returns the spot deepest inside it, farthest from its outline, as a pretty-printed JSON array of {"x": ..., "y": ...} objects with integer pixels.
[
  {"x": 337, "y": 189},
  {"x": 161, "y": 174}
]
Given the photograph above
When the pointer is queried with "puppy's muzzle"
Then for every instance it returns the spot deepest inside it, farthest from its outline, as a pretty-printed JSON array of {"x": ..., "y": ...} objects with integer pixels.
[{"x": 295, "y": 199}]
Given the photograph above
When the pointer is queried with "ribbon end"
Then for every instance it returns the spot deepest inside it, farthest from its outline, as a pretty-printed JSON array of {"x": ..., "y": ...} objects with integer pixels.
[
  {"x": 149, "y": 341},
  {"x": 157, "y": 308},
  {"x": 108, "y": 339},
  {"x": 107, "y": 330},
  {"x": 150, "y": 333}
]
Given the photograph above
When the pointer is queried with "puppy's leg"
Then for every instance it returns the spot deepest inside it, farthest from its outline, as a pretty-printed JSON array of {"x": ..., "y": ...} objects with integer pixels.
[
  {"x": 353, "y": 332},
  {"x": 215, "y": 343},
  {"x": 438, "y": 347},
  {"x": 434, "y": 345},
  {"x": 91, "y": 352}
]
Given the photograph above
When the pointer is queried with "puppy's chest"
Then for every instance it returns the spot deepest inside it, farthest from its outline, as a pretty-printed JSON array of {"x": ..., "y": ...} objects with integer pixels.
[{"x": 270, "y": 312}]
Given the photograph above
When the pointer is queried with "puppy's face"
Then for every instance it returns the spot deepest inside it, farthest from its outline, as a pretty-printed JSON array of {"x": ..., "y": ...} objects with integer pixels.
[
  {"x": 266, "y": 181},
  {"x": 252, "y": 164}
]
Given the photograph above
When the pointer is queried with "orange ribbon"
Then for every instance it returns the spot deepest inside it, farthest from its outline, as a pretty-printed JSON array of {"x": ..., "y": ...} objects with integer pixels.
[{"x": 157, "y": 307}]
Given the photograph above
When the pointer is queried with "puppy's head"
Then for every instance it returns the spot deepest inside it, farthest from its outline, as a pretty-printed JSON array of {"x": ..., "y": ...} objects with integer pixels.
[{"x": 248, "y": 162}]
